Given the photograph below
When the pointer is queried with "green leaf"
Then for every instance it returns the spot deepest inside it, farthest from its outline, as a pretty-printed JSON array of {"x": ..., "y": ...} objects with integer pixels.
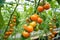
[
  {"x": 49, "y": 0},
  {"x": 1, "y": 19},
  {"x": 58, "y": 1},
  {"x": 2, "y": 2}
]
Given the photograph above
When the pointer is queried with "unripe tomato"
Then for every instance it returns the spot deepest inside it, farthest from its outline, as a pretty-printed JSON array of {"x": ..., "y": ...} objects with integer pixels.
[
  {"x": 40, "y": 8},
  {"x": 47, "y": 6},
  {"x": 39, "y": 20},
  {"x": 14, "y": 17},
  {"x": 25, "y": 34},
  {"x": 33, "y": 24},
  {"x": 34, "y": 17},
  {"x": 51, "y": 29}
]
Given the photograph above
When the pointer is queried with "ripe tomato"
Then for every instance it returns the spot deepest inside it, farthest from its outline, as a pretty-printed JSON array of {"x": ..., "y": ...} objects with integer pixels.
[
  {"x": 55, "y": 32},
  {"x": 7, "y": 33},
  {"x": 39, "y": 20},
  {"x": 54, "y": 27},
  {"x": 49, "y": 37},
  {"x": 40, "y": 8},
  {"x": 14, "y": 20},
  {"x": 33, "y": 24},
  {"x": 29, "y": 28},
  {"x": 34, "y": 17},
  {"x": 11, "y": 30},
  {"x": 25, "y": 34},
  {"x": 47, "y": 6},
  {"x": 5, "y": 37},
  {"x": 52, "y": 35},
  {"x": 11, "y": 25},
  {"x": 10, "y": 33}
]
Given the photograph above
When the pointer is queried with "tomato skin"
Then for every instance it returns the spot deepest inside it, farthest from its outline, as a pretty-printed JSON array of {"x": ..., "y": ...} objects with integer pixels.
[
  {"x": 11, "y": 25},
  {"x": 34, "y": 17},
  {"x": 47, "y": 6},
  {"x": 14, "y": 20},
  {"x": 11, "y": 30},
  {"x": 51, "y": 29},
  {"x": 39, "y": 20},
  {"x": 55, "y": 32},
  {"x": 33, "y": 24},
  {"x": 25, "y": 34},
  {"x": 5, "y": 37},
  {"x": 40, "y": 8},
  {"x": 28, "y": 28}
]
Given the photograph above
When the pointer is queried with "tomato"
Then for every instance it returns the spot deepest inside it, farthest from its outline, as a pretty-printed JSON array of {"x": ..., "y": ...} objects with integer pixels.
[
  {"x": 51, "y": 29},
  {"x": 34, "y": 17},
  {"x": 40, "y": 8},
  {"x": 55, "y": 32},
  {"x": 14, "y": 20},
  {"x": 5, "y": 37},
  {"x": 14, "y": 17},
  {"x": 52, "y": 35},
  {"x": 11, "y": 30},
  {"x": 11, "y": 25},
  {"x": 49, "y": 37},
  {"x": 10, "y": 33},
  {"x": 33, "y": 24},
  {"x": 29, "y": 28},
  {"x": 7, "y": 33},
  {"x": 54, "y": 27},
  {"x": 47, "y": 6},
  {"x": 39, "y": 20},
  {"x": 25, "y": 34}
]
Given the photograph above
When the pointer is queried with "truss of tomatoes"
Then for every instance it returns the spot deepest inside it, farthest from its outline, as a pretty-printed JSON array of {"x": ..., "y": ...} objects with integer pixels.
[{"x": 12, "y": 24}]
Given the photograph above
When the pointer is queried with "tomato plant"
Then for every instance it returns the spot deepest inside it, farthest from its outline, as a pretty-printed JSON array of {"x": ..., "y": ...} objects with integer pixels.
[{"x": 21, "y": 19}]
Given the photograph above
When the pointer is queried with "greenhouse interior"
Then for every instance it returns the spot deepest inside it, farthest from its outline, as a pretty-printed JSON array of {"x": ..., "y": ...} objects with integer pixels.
[{"x": 29, "y": 19}]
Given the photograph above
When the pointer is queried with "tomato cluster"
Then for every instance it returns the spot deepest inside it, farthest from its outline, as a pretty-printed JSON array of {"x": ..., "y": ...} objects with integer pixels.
[
  {"x": 12, "y": 24},
  {"x": 53, "y": 33},
  {"x": 32, "y": 25},
  {"x": 41, "y": 8}
]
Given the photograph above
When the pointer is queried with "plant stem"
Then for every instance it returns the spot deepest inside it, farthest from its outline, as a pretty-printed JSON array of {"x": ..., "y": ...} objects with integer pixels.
[{"x": 11, "y": 17}]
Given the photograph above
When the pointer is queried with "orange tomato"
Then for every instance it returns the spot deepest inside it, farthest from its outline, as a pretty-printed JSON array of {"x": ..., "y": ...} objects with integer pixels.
[
  {"x": 29, "y": 28},
  {"x": 54, "y": 32},
  {"x": 5, "y": 37},
  {"x": 7, "y": 33},
  {"x": 34, "y": 17},
  {"x": 52, "y": 35},
  {"x": 40, "y": 8},
  {"x": 25, "y": 34},
  {"x": 11, "y": 30},
  {"x": 54, "y": 27},
  {"x": 39, "y": 20},
  {"x": 14, "y": 20},
  {"x": 47, "y": 6},
  {"x": 11, "y": 25},
  {"x": 33, "y": 24}
]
